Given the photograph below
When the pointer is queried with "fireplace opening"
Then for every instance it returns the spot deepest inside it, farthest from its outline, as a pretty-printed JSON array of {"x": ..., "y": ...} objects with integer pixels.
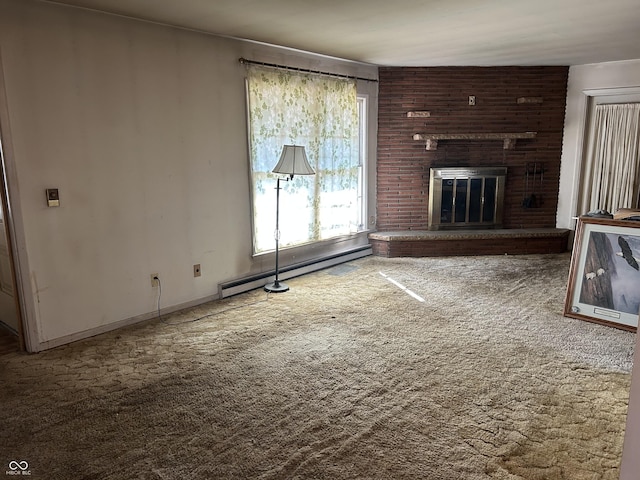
[{"x": 466, "y": 197}]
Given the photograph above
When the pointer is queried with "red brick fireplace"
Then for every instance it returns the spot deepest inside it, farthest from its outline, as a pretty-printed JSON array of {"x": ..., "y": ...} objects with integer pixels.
[{"x": 474, "y": 117}]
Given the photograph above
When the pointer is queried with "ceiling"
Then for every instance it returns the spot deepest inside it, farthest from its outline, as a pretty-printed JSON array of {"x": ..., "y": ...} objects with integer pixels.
[{"x": 412, "y": 32}]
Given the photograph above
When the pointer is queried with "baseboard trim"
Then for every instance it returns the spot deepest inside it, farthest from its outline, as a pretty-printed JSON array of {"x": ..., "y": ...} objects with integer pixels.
[
  {"x": 92, "y": 332},
  {"x": 226, "y": 289},
  {"x": 252, "y": 282}
]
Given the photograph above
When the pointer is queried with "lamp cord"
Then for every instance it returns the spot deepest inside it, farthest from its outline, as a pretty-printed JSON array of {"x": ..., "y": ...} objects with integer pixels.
[{"x": 159, "y": 296}]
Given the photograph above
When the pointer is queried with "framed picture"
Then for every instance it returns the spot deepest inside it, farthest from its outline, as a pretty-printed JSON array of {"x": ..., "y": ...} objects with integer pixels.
[{"x": 604, "y": 276}]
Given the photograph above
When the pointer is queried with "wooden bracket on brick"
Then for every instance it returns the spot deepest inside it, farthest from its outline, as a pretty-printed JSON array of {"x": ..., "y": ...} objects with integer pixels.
[
  {"x": 509, "y": 144},
  {"x": 419, "y": 114},
  {"x": 522, "y": 100},
  {"x": 509, "y": 139}
]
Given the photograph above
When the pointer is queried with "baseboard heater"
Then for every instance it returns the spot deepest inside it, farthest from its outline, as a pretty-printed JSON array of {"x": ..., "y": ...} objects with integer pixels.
[{"x": 252, "y": 282}]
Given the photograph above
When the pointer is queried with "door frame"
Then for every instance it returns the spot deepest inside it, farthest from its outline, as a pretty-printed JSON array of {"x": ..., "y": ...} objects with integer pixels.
[
  {"x": 27, "y": 327},
  {"x": 595, "y": 97}
]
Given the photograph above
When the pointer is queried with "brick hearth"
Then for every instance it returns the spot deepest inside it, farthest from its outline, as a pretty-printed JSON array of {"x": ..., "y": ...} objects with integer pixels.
[{"x": 466, "y": 242}]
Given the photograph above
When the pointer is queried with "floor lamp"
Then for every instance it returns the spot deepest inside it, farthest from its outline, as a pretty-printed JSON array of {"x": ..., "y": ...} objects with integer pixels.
[{"x": 293, "y": 161}]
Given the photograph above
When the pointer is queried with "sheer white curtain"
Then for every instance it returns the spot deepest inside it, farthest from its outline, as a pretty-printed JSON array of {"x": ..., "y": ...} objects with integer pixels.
[
  {"x": 612, "y": 165},
  {"x": 321, "y": 113}
]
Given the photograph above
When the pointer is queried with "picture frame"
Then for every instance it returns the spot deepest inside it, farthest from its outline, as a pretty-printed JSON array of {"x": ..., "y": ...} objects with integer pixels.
[{"x": 604, "y": 275}]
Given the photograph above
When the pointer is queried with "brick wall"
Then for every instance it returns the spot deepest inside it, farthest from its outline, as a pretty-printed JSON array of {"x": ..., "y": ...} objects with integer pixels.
[{"x": 403, "y": 163}]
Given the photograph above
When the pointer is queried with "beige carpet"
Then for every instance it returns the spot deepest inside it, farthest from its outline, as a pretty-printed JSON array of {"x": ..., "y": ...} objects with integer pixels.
[{"x": 346, "y": 376}]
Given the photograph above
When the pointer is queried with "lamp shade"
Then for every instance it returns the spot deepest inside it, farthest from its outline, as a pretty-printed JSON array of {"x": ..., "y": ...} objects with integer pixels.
[{"x": 293, "y": 161}]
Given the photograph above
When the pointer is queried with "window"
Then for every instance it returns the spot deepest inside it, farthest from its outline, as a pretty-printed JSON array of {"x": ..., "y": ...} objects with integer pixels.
[{"x": 325, "y": 115}]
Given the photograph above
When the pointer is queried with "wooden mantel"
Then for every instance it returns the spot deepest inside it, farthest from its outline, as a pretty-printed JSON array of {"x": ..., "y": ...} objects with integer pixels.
[{"x": 509, "y": 139}]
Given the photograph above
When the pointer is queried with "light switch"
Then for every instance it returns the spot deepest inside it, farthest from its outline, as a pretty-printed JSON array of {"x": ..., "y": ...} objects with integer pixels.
[{"x": 53, "y": 199}]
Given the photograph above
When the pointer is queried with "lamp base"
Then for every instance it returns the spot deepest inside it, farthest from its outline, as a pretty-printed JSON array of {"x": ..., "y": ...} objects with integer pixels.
[{"x": 276, "y": 287}]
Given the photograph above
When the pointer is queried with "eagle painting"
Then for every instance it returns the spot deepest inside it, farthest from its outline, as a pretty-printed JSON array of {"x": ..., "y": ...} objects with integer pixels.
[{"x": 627, "y": 253}]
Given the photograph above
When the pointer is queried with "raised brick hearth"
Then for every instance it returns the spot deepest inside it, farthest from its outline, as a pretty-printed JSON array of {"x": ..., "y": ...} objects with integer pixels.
[
  {"x": 425, "y": 120},
  {"x": 477, "y": 242}
]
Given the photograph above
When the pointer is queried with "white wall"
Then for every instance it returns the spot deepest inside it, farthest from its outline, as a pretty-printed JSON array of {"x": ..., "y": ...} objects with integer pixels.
[
  {"x": 583, "y": 80},
  {"x": 143, "y": 130}
]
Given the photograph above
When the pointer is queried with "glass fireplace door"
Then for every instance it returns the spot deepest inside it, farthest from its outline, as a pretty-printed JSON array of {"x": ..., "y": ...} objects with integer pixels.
[{"x": 466, "y": 197}]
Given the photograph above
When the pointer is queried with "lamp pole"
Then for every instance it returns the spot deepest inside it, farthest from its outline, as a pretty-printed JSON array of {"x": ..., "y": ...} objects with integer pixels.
[{"x": 276, "y": 286}]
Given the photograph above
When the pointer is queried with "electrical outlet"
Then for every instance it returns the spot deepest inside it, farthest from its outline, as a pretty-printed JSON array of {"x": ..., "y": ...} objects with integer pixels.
[
  {"x": 472, "y": 100},
  {"x": 155, "y": 280},
  {"x": 196, "y": 270}
]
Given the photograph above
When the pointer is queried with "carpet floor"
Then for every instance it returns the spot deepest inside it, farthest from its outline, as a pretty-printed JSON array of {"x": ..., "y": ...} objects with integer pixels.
[{"x": 428, "y": 368}]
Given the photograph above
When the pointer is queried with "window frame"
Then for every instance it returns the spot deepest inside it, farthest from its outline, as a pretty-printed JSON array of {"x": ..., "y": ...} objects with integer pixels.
[{"x": 361, "y": 194}]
